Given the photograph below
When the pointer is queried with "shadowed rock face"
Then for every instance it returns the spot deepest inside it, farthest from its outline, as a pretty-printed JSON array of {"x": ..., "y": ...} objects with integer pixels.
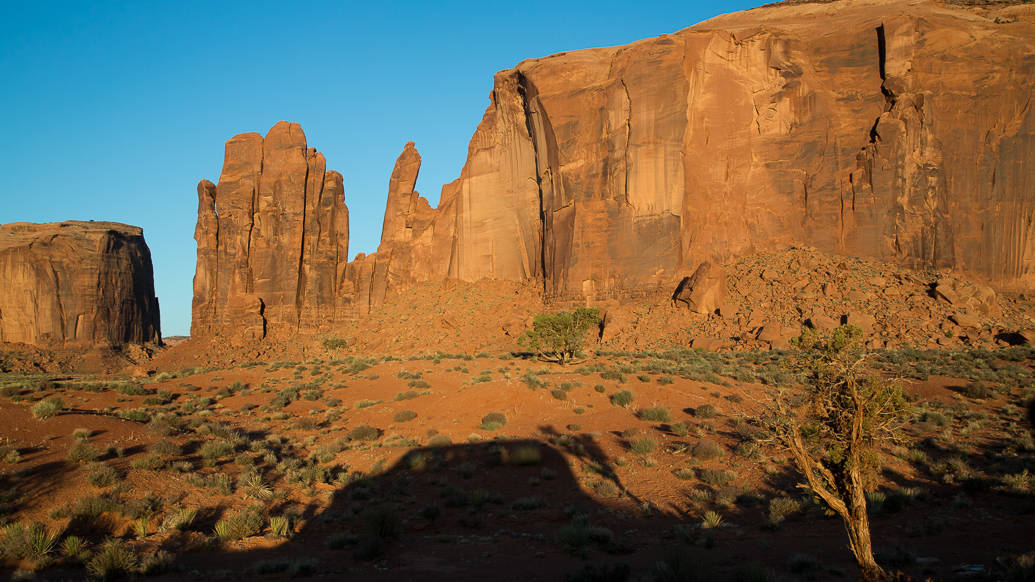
[
  {"x": 76, "y": 284},
  {"x": 890, "y": 129}
]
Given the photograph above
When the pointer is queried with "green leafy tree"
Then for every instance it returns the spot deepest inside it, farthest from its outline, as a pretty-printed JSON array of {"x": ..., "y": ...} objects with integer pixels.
[
  {"x": 558, "y": 337},
  {"x": 836, "y": 431}
]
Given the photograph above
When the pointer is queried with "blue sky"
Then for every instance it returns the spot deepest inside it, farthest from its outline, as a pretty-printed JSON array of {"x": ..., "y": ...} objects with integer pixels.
[{"x": 115, "y": 110}]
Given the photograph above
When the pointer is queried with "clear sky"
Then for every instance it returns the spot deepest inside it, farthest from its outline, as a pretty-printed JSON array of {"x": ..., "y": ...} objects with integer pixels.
[{"x": 115, "y": 110}]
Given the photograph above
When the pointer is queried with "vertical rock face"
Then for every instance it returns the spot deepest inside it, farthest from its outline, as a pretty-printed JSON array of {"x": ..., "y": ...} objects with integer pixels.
[
  {"x": 906, "y": 136},
  {"x": 76, "y": 284},
  {"x": 272, "y": 239},
  {"x": 901, "y": 130}
]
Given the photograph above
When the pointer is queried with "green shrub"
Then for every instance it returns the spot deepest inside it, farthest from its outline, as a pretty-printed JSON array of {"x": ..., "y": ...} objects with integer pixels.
[
  {"x": 558, "y": 337},
  {"x": 780, "y": 508},
  {"x": 707, "y": 449},
  {"x": 47, "y": 408},
  {"x": 180, "y": 520},
  {"x": 280, "y": 526},
  {"x": 212, "y": 451},
  {"x": 706, "y": 411},
  {"x": 102, "y": 476},
  {"x": 623, "y": 398},
  {"x": 717, "y": 477},
  {"x": 132, "y": 389},
  {"x": 404, "y": 415},
  {"x": 493, "y": 421},
  {"x": 680, "y": 429},
  {"x": 335, "y": 343},
  {"x": 32, "y": 542},
  {"x": 655, "y": 414},
  {"x": 439, "y": 440},
  {"x": 82, "y": 452},
  {"x": 364, "y": 432},
  {"x": 240, "y": 524},
  {"x": 409, "y": 394},
  {"x": 559, "y": 394},
  {"x": 525, "y": 455},
  {"x": 643, "y": 445},
  {"x": 113, "y": 560}
]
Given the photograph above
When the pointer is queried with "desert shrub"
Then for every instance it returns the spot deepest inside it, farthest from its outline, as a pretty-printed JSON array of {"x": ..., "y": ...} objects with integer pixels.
[
  {"x": 212, "y": 451},
  {"x": 717, "y": 477},
  {"x": 525, "y": 455},
  {"x": 655, "y": 414},
  {"x": 643, "y": 445},
  {"x": 528, "y": 503},
  {"x": 404, "y": 415},
  {"x": 74, "y": 549},
  {"x": 364, "y": 432},
  {"x": 132, "y": 389},
  {"x": 706, "y": 411},
  {"x": 32, "y": 542},
  {"x": 599, "y": 388},
  {"x": 81, "y": 433},
  {"x": 408, "y": 395},
  {"x": 180, "y": 520},
  {"x": 47, "y": 408},
  {"x": 82, "y": 452},
  {"x": 240, "y": 524},
  {"x": 280, "y": 526},
  {"x": 711, "y": 520},
  {"x": 114, "y": 559},
  {"x": 707, "y": 449},
  {"x": 439, "y": 440},
  {"x": 581, "y": 532},
  {"x": 559, "y": 394},
  {"x": 493, "y": 421},
  {"x": 166, "y": 449},
  {"x": 335, "y": 343},
  {"x": 533, "y": 380},
  {"x": 100, "y": 475},
  {"x": 163, "y": 425},
  {"x": 366, "y": 403},
  {"x": 685, "y": 474},
  {"x": 558, "y": 337},
  {"x": 680, "y": 429},
  {"x": 780, "y": 508},
  {"x": 134, "y": 415},
  {"x": 976, "y": 390},
  {"x": 623, "y": 398}
]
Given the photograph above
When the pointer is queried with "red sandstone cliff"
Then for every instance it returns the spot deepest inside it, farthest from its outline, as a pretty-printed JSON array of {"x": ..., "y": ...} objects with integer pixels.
[
  {"x": 890, "y": 129},
  {"x": 76, "y": 284}
]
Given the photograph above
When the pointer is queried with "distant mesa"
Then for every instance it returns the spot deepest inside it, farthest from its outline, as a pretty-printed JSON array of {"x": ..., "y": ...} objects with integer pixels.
[
  {"x": 606, "y": 173},
  {"x": 78, "y": 284}
]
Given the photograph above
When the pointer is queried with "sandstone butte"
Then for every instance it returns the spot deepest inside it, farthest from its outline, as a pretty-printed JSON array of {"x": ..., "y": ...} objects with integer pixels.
[
  {"x": 76, "y": 284},
  {"x": 902, "y": 131}
]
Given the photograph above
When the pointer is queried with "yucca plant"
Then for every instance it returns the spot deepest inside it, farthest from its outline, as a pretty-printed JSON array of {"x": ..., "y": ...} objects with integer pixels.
[
  {"x": 711, "y": 520},
  {"x": 280, "y": 526},
  {"x": 114, "y": 559}
]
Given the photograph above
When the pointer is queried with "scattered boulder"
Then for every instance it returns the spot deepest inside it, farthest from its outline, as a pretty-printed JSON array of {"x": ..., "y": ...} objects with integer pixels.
[
  {"x": 863, "y": 321},
  {"x": 822, "y": 323},
  {"x": 973, "y": 297},
  {"x": 778, "y": 336},
  {"x": 965, "y": 320},
  {"x": 704, "y": 291}
]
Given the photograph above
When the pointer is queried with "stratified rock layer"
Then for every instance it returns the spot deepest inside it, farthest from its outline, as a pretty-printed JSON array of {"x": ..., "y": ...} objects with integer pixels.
[
  {"x": 76, "y": 284},
  {"x": 902, "y": 131}
]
